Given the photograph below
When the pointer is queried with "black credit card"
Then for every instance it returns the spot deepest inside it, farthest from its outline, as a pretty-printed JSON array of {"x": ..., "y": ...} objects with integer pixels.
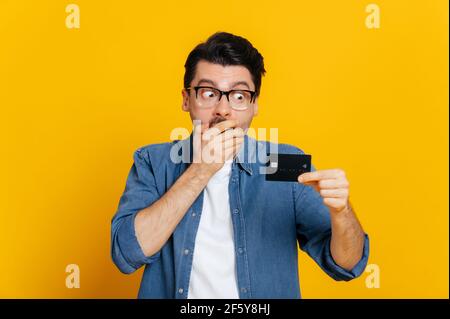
[{"x": 287, "y": 167}]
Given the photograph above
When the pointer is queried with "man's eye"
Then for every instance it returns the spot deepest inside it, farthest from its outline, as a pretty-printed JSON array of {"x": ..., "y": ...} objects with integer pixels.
[
  {"x": 207, "y": 94},
  {"x": 238, "y": 96}
]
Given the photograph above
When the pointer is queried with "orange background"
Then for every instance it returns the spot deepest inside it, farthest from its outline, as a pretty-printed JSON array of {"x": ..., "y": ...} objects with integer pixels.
[{"x": 76, "y": 103}]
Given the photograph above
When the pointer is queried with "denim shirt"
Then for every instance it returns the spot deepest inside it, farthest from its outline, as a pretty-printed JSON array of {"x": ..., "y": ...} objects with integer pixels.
[{"x": 269, "y": 219}]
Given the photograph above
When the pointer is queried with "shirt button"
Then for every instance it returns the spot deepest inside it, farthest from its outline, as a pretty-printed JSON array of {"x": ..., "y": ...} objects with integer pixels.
[
  {"x": 186, "y": 251},
  {"x": 244, "y": 290},
  {"x": 241, "y": 250},
  {"x": 235, "y": 210},
  {"x": 194, "y": 214},
  {"x": 234, "y": 179},
  {"x": 180, "y": 290}
]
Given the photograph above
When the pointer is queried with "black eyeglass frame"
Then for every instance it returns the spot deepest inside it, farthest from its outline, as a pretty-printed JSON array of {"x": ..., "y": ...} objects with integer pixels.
[{"x": 226, "y": 93}]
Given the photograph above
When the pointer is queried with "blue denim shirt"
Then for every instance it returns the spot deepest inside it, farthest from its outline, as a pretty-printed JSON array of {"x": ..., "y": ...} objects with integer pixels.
[{"x": 269, "y": 219}]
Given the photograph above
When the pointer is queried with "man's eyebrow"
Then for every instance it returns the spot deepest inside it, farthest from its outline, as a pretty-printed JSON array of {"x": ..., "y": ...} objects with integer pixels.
[
  {"x": 240, "y": 83},
  {"x": 206, "y": 81},
  {"x": 234, "y": 84}
]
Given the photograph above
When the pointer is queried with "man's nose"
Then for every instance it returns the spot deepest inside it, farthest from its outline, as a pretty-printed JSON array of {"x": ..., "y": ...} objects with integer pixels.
[{"x": 223, "y": 108}]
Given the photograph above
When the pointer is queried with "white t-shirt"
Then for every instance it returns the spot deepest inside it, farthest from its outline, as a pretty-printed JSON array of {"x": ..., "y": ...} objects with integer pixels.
[{"x": 213, "y": 272}]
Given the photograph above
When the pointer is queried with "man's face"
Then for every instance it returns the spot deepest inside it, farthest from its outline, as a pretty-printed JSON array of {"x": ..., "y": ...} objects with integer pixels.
[{"x": 224, "y": 78}]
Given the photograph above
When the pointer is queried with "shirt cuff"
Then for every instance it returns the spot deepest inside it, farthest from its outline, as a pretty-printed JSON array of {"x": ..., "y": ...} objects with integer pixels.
[
  {"x": 339, "y": 273},
  {"x": 129, "y": 245}
]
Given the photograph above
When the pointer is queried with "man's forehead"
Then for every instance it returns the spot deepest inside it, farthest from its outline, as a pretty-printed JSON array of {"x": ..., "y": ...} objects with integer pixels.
[{"x": 217, "y": 74}]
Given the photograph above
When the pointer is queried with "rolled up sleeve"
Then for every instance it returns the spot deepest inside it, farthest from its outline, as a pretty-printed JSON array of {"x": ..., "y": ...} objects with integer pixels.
[
  {"x": 140, "y": 192},
  {"x": 314, "y": 234},
  {"x": 337, "y": 272}
]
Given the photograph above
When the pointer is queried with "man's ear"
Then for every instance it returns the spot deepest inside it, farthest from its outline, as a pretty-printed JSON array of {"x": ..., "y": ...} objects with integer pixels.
[
  {"x": 185, "y": 104},
  {"x": 255, "y": 107}
]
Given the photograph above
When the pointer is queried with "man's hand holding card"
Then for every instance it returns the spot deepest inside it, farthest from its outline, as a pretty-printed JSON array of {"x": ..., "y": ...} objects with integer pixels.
[{"x": 332, "y": 184}]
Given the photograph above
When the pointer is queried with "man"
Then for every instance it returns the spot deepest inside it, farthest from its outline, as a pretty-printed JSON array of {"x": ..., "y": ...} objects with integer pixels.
[{"x": 212, "y": 226}]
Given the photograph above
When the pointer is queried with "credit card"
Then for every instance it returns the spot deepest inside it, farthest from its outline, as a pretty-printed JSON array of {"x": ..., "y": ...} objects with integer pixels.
[{"x": 287, "y": 167}]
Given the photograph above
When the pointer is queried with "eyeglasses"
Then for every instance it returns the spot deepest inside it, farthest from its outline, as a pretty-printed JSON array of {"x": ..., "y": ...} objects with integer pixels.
[{"x": 207, "y": 97}]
